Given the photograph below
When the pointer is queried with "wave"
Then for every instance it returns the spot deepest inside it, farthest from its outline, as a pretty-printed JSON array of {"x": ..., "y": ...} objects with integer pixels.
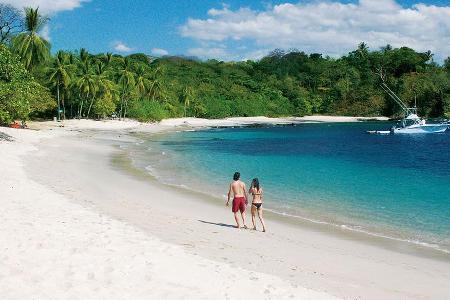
[
  {"x": 348, "y": 227},
  {"x": 174, "y": 170},
  {"x": 361, "y": 229}
]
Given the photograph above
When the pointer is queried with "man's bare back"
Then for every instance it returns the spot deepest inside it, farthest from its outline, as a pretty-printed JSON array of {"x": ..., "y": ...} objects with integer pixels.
[
  {"x": 239, "y": 192},
  {"x": 238, "y": 188}
]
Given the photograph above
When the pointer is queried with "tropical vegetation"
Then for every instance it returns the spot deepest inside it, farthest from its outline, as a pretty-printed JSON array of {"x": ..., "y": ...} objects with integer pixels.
[{"x": 79, "y": 84}]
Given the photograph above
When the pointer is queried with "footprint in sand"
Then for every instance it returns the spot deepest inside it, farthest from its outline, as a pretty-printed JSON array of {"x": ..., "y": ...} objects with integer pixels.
[
  {"x": 69, "y": 273},
  {"x": 68, "y": 285}
]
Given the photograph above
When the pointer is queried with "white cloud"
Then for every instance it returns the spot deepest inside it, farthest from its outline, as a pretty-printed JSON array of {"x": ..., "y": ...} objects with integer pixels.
[
  {"x": 256, "y": 55},
  {"x": 219, "y": 53},
  {"x": 46, "y": 6},
  {"x": 45, "y": 33},
  {"x": 159, "y": 52},
  {"x": 121, "y": 47},
  {"x": 331, "y": 28}
]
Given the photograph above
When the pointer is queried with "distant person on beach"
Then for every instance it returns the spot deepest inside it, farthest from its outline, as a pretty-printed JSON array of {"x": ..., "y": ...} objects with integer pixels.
[
  {"x": 257, "y": 192},
  {"x": 239, "y": 191}
]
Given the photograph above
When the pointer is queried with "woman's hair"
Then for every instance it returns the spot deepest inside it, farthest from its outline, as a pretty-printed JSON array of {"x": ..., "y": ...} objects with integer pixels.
[
  {"x": 255, "y": 184},
  {"x": 236, "y": 176}
]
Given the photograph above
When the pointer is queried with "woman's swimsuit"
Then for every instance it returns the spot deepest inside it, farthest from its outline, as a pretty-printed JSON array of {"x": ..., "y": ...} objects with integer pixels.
[{"x": 257, "y": 205}]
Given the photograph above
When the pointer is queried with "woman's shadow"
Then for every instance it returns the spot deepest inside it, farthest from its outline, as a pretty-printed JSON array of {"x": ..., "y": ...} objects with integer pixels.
[{"x": 218, "y": 224}]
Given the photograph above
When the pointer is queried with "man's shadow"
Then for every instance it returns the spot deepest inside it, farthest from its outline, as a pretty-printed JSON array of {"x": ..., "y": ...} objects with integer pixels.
[{"x": 218, "y": 224}]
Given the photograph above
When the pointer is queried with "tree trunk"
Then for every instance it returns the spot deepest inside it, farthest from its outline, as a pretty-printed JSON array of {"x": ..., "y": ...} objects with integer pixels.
[
  {"x": 59, "y": 106},
  {"x": 63, "y": 108},
  {"x": 125, "y": 109},
  {"x": 121, "y": 107},
  {"x": 90, "y": 106},
  {"x": 81, "y": 110}
]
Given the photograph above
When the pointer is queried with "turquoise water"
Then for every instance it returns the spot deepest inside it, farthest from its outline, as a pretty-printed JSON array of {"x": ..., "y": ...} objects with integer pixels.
[{"x": 392, "y": 186}]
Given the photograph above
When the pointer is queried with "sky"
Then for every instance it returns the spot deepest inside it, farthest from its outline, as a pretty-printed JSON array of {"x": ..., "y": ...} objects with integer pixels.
[{"x": 246, "y": 29}]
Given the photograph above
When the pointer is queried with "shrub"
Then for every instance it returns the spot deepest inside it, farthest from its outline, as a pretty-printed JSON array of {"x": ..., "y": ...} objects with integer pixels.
[
  {"x": 20, "y": 94},
  {"x": 147, "y": 110},
  {"x": 104, "y": 106}
]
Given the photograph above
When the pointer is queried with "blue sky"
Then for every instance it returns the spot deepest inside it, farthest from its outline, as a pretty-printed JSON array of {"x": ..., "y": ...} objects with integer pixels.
[{"x": 234, "y": 30}]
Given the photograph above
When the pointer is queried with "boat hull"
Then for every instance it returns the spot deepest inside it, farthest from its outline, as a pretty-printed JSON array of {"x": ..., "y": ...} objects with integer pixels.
[{"x": 426, "y": 128}]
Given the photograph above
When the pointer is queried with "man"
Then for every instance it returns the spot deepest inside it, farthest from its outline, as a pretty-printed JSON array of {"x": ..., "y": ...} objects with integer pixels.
[{"x": 237, "y": 187}]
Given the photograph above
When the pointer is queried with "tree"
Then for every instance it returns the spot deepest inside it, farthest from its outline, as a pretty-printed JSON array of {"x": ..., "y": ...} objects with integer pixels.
[
  {"x": 10, "y": 22},
  {"x": 32, "y": 48},
  {"x": 142, "y": 82},
  {"x": 84, "y": 55},
  {"x": 20, "y": 94},
  {"x": 447, "y": 65},
  {"x": 87, "y": 86},
  {"x": 441, "y": 88},
  {"x": 126, "y": 83},
  {"x": 60, "y": 79},
  {"x": 104, "y": 106},
  {"x": 186, "y": 98},
  {"x": 105, "y": 89},
  {"x": 156, "y": 90}
]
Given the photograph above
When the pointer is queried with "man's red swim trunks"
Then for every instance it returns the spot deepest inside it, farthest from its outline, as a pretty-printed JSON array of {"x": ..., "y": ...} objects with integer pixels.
[{"x": 238, "y": 204}]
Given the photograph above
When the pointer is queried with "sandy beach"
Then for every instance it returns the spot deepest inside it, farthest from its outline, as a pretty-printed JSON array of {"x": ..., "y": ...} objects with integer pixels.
[{"x": 79, "y": 222}]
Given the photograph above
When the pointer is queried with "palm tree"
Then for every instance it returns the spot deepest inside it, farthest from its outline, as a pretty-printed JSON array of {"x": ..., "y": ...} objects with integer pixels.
[
  {"x": 59, "y": 78},
  {"x": 32, "y": 48},
  {"x": 127, "y": 83},
  {"x": 102, "y": 83},
  {"x": 86, "y": 85},
  {"x": 84, "y": 55},
  {"x": 156, "y": 89},
  {"x": 142, "y": 83},
  {"x": 107, "y": 58},
  {"x": 186, "y": 97}
]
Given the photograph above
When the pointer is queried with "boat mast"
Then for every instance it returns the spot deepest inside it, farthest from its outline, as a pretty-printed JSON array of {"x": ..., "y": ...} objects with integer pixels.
[{"x": 407, "y": 110}]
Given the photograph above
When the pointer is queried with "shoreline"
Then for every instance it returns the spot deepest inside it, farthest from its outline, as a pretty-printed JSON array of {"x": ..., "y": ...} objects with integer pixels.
[
  {"x": 325, "y": 262},
  {"x": 366, "y": 235},
  {"x": 191, "y": 122},
  {"x": 419, "y": 248},
  {"x": 123, "y": 163},
  {"x": 59, "y": 244}
]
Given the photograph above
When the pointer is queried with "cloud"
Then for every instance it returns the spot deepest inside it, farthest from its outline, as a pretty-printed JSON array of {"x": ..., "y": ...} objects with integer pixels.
[
  {"x": 159, "y": 52},
  {"x": 121, "y": 47},
  {"x": 209, "y": 52},
  {"x": 327, "y": 27},
  {"x": 45, "y": 33},
  {"x": 46, "y": 6}
]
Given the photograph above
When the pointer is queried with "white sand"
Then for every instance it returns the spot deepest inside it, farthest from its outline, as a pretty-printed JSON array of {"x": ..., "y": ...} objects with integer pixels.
[
  {"x": 76, "y": 227},
  {"x": 54, "y": 248},
  {"x": 242, "y": 121}
]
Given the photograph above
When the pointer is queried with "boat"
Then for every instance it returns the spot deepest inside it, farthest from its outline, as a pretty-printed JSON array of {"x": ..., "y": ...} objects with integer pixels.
[
  {"x": 411, "y": 122},
  {"x": 414, "y": 124}
]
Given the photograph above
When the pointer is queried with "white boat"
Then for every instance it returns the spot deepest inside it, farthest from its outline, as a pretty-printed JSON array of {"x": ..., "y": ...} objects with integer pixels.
[
  {"x": 414, "y": 124},
  {"x": 411, "y": 123}
]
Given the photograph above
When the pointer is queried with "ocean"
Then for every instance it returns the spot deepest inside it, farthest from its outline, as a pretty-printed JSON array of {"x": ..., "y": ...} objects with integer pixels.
[{"x": 393, "y": 186}]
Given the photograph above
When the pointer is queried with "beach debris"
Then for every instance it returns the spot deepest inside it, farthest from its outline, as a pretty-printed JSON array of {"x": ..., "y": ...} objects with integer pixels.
[{"x": 5, "y": 137}]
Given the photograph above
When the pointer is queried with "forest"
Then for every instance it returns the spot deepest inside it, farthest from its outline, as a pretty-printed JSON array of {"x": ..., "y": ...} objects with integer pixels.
[{"x": 38, "y": 83}]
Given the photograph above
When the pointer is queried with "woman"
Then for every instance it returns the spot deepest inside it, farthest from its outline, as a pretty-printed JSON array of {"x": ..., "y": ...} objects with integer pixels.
[{"x": 256, "y": 191}]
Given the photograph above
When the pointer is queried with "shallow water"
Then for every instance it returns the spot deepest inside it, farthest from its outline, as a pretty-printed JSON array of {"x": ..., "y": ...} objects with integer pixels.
[{"x": 393, "y": 186}]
